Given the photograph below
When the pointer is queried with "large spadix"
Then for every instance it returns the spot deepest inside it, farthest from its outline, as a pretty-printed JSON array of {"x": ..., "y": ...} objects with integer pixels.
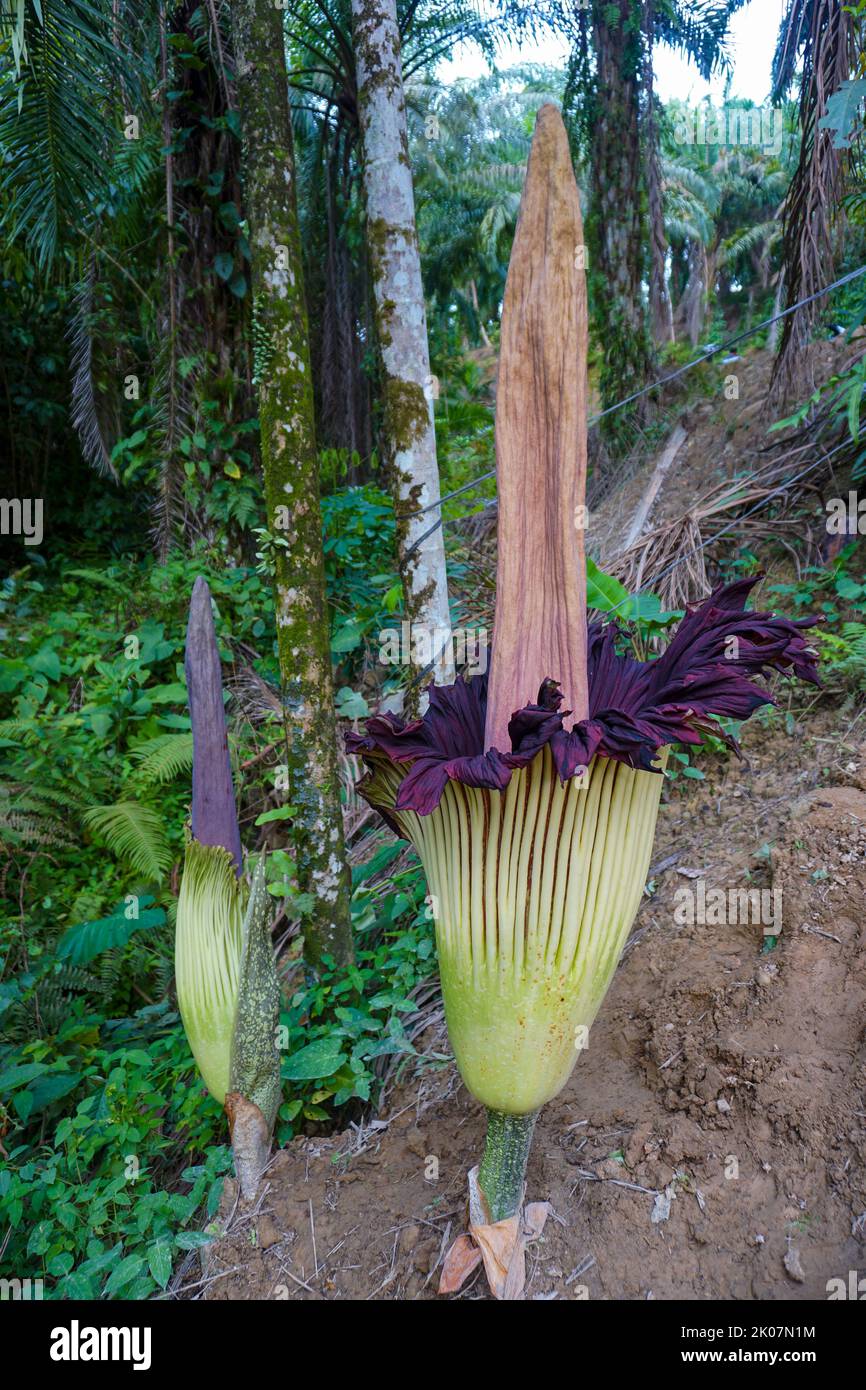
[{"x": 532, "y": 797}]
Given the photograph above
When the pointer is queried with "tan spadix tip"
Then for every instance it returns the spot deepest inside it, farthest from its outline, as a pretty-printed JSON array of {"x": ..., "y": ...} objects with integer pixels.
[{"x": 541, "y": 412}]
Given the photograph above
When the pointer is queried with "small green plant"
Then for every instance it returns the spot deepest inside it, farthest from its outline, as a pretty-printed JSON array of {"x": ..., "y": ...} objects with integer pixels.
[{"x": 839, "y": 593}]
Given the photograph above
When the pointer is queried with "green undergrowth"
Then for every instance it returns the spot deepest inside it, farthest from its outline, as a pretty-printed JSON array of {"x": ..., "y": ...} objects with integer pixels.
[{"x": 113, "y": 1154}]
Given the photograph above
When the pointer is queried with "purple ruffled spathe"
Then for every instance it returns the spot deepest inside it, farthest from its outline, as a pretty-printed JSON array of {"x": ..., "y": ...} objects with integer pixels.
[{"x": 635, "y": 707}]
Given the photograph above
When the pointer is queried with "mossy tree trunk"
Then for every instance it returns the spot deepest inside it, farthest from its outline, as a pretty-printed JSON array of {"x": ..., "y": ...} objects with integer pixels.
[
  {"x": 290, "y": 466},
  {"x": 409, "y": 442}
]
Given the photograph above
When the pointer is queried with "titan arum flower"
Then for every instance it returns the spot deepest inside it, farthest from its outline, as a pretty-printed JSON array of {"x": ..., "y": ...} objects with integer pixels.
[
  {"x": 531, "y": 796},
  {"x": 227, "y": 985}
]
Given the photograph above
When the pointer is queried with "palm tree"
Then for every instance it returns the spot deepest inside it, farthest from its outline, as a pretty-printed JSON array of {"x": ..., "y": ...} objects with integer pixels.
[
  {"x": 120, "y": 171},
  {"x": 721, "y": 220},
  {"x": 70, "y": 72},
  {"x": 817, "y": 35},
  {"x": 613, "y": 122},
  {"x": 471, "y": 142}
]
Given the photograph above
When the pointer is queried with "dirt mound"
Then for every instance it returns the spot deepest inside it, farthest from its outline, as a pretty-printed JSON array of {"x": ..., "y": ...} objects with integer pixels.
[{"x": 710, "y": 1143}]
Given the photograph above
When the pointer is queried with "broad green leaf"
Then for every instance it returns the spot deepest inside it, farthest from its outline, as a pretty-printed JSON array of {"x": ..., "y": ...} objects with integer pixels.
[
  {"x": 603, "y": 592},
  {"x": 14, "y": 1077},
  {"x": 842, "y": 111},
  {"x": 100, "y": 722},
  {"x": 40, "y": 1238},
  {"x": 193, "y": 1240},
  {"x": 125, "y": 1272},
  {"x": 47, "y": 663},
  {"x": 348, "y": 636},
  {"x": 314, "y": 1062},
  {"x": 351, "y": 704},
  {"x": 77, "y": 1286},
  {"x": 281, "y": 813},
  {"x": 159, "y": 1262},
  {"x": 50, "y": 1088},
  {"x": 13, "y": 673},
  {"x": 87, "y": 940}
]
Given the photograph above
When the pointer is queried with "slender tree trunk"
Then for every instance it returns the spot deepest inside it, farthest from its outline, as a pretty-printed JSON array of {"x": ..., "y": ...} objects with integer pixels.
[
  {"x": 616, "y": 224},
  {"x": 659, "y": 301},
  {"x": 773, "y": 334},
  {"x": 692, "y": 308},
  {"x": 290, "y": 466},
  {"x": 409, "y": 443},
  {"x": 473, "y": 295}
]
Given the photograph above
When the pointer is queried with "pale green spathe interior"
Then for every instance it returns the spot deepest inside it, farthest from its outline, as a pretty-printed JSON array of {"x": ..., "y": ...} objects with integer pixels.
[
  {"x": 535, "y": 890},
  {"x": 208, "y": 945}
]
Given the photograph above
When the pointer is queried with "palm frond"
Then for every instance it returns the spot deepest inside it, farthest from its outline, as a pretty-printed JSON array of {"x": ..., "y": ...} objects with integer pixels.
[
  {"x": 85, "y": 413},
  {"x": 747, "y": 240},
  {"x": 59, "y": 118}
]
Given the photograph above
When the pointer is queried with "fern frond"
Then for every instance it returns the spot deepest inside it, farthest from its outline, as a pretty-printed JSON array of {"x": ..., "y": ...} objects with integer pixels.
[
  {"x": 30, "y": 830},
  {"x": 133, "y": 832},
  {"x": 31, "y": 818},
  {"x": 18, "y": 729},
  {"x": 162, "y": 758}
]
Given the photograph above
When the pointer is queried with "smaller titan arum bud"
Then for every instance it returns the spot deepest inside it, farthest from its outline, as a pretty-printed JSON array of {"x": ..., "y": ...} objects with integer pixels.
[{"x": 227, "y": 987}]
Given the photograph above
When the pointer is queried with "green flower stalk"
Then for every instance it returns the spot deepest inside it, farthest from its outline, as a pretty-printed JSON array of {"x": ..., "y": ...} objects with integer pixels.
[
  {"x": 227, "y": 986},
  {"x": 536, "y": 834}
]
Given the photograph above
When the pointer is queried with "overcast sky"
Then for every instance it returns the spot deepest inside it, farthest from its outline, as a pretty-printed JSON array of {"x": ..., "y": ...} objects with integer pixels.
[{"x": 751, "y": 44}]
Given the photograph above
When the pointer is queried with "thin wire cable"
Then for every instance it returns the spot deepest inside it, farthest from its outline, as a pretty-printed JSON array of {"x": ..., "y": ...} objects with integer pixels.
[
  {"x": 636, "y": 395},
  {"x": 711, "y": 540}
]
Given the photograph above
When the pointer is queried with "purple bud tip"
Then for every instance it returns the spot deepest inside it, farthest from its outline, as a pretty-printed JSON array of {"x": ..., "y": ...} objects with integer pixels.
[{"x": 214, "y": 816}]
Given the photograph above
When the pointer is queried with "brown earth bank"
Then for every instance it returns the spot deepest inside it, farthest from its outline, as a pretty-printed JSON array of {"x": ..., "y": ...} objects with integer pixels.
[{"x": 710, "y": 1143}]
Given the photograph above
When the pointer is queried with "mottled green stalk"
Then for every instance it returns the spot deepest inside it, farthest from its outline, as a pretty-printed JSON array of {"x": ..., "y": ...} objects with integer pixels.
[
  {"x": 502, "y": 1174},
  {"x": 290, "y": 467},
  {"x": 255, "y": 1058},
  {"x": 229, "y": 998}
]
